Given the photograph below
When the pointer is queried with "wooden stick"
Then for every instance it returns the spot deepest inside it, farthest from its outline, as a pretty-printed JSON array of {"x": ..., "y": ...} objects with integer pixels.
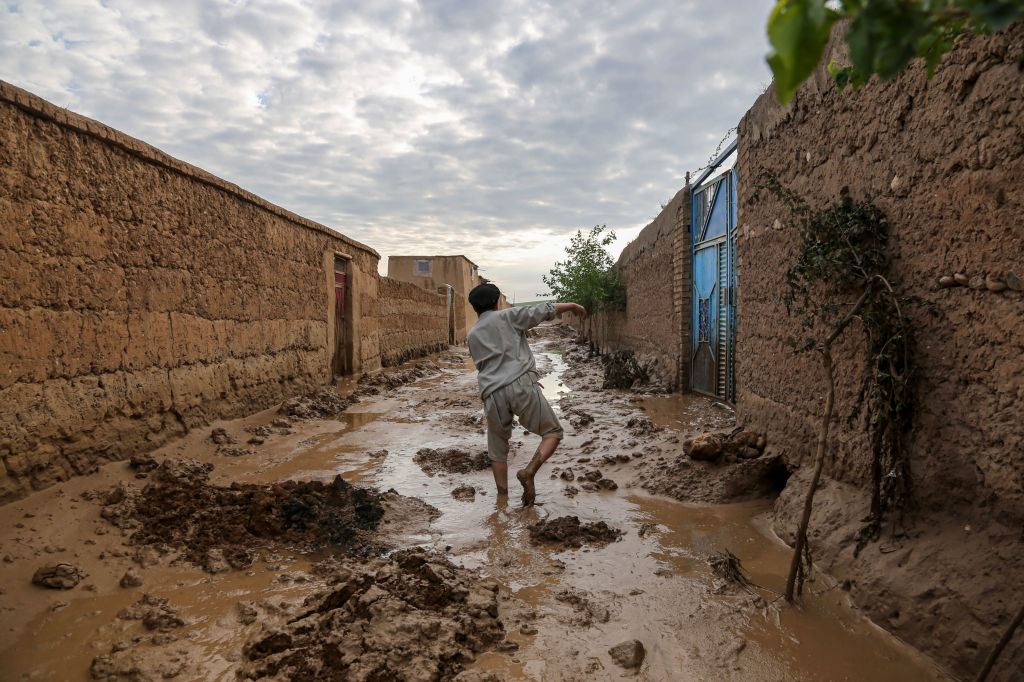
[
  {"x": 819, "y": 461},
  {"x": 822, "y": 446},
  {"x": 994, "y": 656}
]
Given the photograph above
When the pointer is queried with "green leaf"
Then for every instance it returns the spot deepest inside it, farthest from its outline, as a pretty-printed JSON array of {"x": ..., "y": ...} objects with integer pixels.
[{"x": 798, "y": 31}]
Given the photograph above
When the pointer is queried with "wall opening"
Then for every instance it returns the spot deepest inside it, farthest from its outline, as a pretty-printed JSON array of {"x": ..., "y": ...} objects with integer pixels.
[
  {"x": 341, "y": 361},
  {"x": 450, "y": 292}
]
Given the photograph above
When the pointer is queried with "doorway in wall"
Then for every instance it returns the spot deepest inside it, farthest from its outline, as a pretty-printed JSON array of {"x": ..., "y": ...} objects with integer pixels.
[
  {"x": 341, "y": 362},
  {"x": 713, "y": 202},
  {"x": 450, "y": 291}
]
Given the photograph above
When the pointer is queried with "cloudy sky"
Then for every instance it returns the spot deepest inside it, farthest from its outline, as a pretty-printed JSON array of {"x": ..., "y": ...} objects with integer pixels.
[{"x": 493, "y": 128}]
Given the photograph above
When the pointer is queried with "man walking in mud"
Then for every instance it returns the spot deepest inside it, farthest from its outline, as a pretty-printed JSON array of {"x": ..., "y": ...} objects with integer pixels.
[{"x": 509, "y": 381}]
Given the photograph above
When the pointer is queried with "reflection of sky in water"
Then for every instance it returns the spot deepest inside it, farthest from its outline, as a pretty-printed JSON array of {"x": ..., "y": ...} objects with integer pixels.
[{"x": 552, "y": 366}]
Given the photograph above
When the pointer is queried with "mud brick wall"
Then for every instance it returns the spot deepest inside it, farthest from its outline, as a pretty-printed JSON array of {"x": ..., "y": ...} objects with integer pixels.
[
  {"x": 141, "y": 296},
  {"x": 413, "y": 321},
  {"x": 655, "y": 269},
  {"x": 944, "y": 160}
]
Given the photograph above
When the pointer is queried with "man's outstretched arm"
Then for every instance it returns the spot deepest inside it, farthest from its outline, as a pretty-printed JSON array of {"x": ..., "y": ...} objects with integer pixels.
[{"x": 570, "y": 308}]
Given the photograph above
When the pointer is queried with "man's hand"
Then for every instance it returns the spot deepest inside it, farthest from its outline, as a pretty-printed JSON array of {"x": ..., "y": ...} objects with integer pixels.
[{"x": 571, "y": 308}]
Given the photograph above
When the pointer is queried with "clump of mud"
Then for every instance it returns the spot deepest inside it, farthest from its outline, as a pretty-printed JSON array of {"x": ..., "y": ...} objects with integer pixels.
[
  {"x": 687, "y": 480},
  {"x": 218, "y": 527},
  {"x": 568, "y": 531},
  {"x": 464, "y": 493},
  {"x": 411, "y": 616},
  {"x": 324, "y": 402},
  {"x": 371, "y": 384},
  {"x": 450, "y": 460}
]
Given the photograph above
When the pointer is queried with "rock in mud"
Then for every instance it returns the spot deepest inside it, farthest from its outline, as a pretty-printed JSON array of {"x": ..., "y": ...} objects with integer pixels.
[
  {"x": 411, "y": 616},
  {"x": 630, "y": 655},
  {"x": 216, "y": 524},
  {"x": 568, "y": 531},
  {"x": 705, "y": 447},
  {"x": 58, "y": 576},
  {"x": 450, "y": 461},
  {"x": 464, "y": 493},
  {"x": 130, "y": 579}
]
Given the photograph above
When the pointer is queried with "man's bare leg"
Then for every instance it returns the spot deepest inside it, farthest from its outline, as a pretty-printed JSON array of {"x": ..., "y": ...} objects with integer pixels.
[
  {"x": 500, "y": 471},
  {"x": 544, "y": 451}
]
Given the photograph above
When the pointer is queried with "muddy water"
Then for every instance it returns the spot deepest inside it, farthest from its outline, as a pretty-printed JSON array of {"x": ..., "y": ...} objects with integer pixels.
[
  {"x": 687, "y": 412},
  {"x": 653, "y": 585}
]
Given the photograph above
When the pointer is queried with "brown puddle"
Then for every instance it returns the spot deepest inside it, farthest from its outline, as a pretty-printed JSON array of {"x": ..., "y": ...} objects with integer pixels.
[
  {"x": 568, "y": 607},
  {"x": 687, "y": 412}
]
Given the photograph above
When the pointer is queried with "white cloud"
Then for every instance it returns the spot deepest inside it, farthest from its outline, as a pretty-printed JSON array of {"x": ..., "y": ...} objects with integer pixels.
[{"x": 492, "y": 129}]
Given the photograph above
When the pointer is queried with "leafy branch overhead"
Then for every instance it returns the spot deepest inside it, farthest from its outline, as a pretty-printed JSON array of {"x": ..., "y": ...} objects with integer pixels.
[
  {"x": 882, "y": 38},
  {"x": 587, "y": 275}
]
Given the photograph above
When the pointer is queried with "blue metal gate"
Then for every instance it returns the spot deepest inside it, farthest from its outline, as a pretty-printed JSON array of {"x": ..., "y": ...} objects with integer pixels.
[{"x": 713, "y": 204}]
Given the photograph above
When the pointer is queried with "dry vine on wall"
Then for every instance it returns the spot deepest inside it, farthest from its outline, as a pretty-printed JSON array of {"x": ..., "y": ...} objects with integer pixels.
[{"x": 841, "y": 276}]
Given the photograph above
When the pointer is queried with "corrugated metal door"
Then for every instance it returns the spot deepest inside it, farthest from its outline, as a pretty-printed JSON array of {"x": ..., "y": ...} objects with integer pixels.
[{"x": 713, "y": 325}]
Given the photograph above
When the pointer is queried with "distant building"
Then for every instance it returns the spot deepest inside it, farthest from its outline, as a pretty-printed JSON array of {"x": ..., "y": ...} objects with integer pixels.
[{"x": 437, "y": 273}]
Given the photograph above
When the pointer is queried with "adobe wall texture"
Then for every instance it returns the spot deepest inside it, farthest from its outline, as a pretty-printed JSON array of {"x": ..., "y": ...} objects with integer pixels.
[
  {"x": 655, "y": 268},
  {"x": 413, "y": 321},
  {"x": 944, "y": 160},
  {"x": 142, "y": 296}
]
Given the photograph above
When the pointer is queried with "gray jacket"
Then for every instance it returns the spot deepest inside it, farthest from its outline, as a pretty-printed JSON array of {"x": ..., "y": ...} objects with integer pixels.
[{"x": 498, "y": 344}]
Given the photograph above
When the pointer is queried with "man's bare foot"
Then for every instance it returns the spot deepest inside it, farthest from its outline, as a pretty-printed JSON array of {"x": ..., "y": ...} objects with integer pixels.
[{"x": 529, "y": 492}]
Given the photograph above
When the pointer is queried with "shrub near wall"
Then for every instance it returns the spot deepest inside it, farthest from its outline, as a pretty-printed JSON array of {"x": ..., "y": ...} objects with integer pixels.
[
  {"x": 413, "y": 321},
  {"x": 944, "y": 162},
  {"x": 655, "y": 270},
  {"x": 141, "y": 296}
]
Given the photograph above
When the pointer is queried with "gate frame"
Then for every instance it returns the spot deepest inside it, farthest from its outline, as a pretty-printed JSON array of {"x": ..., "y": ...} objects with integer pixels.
[{"x": 729, "y": 309}]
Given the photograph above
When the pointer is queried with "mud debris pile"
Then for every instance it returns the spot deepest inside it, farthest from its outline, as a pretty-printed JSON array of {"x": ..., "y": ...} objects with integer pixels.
[
  {"x": 412, "y": 616},
  {"x": 464, "y": 493},
  {"x": 570, "y": 532},
  {"x": 450, "y": 461},
  {"x": 220, "y": 527},
  {"x": 325, "y": 402},
  {"x": 371, "y": 384}
]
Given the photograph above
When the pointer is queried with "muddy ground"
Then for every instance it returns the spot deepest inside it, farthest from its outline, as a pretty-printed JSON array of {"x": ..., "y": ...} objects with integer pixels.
[{"x": 265, "y": 565}]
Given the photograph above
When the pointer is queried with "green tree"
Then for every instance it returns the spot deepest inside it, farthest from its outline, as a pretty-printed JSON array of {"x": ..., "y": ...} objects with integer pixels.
[
  {"x": 882, "y": 38},
  {"x": 587, "y": 275}
]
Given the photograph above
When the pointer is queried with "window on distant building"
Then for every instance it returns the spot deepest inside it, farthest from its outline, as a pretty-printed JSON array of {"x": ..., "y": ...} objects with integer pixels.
[{"x": 421, "y": 268}]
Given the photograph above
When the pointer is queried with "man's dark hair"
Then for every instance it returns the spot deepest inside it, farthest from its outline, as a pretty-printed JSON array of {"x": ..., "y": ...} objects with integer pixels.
[{"x": 484, "y": 297}]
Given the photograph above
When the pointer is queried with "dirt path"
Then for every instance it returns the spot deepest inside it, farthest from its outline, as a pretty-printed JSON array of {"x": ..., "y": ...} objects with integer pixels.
[{"x": 563, "y": 607}]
